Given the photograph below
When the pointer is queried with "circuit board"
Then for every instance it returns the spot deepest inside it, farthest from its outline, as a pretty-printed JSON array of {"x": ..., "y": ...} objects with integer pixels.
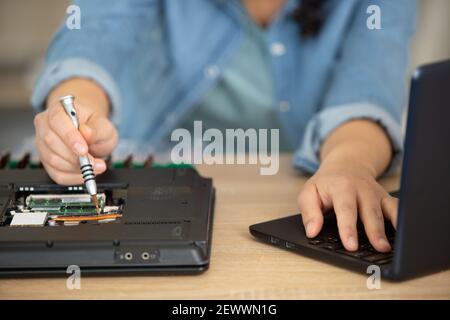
[
  {"x": 65, "y": 209},
  {"x": 65, "y": 205}
]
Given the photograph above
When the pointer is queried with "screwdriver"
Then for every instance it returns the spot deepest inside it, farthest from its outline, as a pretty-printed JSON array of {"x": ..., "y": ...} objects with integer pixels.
[{"x": 85, "y": 165}]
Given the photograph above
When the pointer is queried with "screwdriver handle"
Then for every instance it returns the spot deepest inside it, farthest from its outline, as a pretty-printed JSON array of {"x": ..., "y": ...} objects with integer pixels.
[{"x": 85, "y": 165}]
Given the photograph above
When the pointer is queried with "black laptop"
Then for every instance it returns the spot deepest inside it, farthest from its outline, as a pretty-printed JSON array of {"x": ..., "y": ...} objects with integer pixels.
[
  {"x": 152, "y": 220},
  {"x": 421, "y": 244}
]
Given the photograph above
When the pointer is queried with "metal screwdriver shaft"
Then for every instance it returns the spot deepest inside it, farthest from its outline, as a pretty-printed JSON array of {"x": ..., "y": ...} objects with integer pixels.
[{"x": 85, "y": 165}]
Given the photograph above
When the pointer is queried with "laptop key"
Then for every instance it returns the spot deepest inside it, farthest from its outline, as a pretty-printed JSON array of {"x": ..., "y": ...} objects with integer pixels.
[
  {"x": 378, "y": 257},
  {"x": 315, "y": 241},
  {"x": 355, "y": 254},
  {"x": 333, "y": 240},
  {"x": 364, "y": 245},
  {"x": 384, "y": 261},
  {"x": 331, "y": 246}
]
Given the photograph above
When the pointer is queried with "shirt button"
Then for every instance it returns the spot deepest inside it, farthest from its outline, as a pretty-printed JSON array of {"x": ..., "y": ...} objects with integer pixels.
[
  {"x": 284, "y": 106},
  {"x": 277, "y": 49},
  {"x": 212, "y": 71}
]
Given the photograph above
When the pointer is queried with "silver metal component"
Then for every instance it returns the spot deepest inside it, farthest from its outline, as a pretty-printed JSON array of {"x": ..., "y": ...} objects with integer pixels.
[
  {"x": 67, "y": 103},
  {"x": 107, "y": 220},
  {"x": 52, "y": 223},
  {"x": 111, "y": 209},
  {"x": 71, "y": 223},
  {"x": 65, "y": 198},
  {"x": 85, "y": 165},
  {"x": 33, "y": 219}
]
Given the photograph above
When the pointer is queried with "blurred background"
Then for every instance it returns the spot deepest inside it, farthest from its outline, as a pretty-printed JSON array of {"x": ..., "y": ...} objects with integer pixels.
[{"x": 26, "y": 28}]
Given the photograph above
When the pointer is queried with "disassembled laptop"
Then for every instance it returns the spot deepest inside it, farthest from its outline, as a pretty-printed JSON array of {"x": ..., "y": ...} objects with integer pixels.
[
  {"x": 66, "y": 206},
  {"x": 153, "y": 217}
]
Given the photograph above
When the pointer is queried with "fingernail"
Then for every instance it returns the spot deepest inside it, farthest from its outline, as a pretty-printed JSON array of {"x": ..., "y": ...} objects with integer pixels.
[
  {"x": 309, "y": 228},
  {"x": 80, "y": 148},
  {"x": 99, "y": 166},
  {"x": 384, "y": 243},
  {"x": 351, "y": 243}
]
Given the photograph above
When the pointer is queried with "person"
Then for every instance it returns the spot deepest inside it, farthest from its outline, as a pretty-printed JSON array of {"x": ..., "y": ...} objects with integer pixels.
[{"x": 315, "y": 69}]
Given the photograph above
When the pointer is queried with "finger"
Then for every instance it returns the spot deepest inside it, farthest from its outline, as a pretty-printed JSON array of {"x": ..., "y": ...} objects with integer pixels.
[
  {"x": 56, "y": 145},
  {"x": 389, "y": 205},
  {"x": 346, "y": 209},
  {"x": 47, "y": 156},
  {"x": 98, "y": 129},
  {"x": 99, "y": 166},
  {"x": 101, "y": 135},
  {"x": 63, "y": 178},
  {"x": 373, "y": 220},
  {"x": 61, "y": 124},
  {"x": 310, "y": 208}
]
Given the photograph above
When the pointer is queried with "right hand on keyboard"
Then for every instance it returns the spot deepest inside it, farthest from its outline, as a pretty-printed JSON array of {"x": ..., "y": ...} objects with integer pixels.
[{"x": 59, "y": 144}]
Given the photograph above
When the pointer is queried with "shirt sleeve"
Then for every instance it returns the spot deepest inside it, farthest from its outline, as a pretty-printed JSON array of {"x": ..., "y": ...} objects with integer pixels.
[
  {"x": 368, "y": 80},
  {"x": 107, "y": 35}
]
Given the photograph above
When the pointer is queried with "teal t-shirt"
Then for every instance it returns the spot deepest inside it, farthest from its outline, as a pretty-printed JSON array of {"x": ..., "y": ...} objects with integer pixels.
[{"x": 243, "y": 95}]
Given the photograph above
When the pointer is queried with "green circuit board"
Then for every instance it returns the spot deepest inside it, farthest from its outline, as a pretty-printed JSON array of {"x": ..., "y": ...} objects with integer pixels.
[{"x": 65, "y": 205}]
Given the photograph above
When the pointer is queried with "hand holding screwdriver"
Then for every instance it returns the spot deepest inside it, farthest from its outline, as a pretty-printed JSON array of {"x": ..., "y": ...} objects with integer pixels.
[
  {"x": 85, "y": 165},
  {"x": 60, "y": 144}
]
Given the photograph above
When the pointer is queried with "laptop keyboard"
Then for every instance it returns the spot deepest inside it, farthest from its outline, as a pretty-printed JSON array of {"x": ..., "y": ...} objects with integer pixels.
[{"x": 365, "y": 251}]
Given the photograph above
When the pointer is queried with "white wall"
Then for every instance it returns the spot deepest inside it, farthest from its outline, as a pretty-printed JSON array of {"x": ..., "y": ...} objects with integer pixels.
[{"x": 432, "y": 40}]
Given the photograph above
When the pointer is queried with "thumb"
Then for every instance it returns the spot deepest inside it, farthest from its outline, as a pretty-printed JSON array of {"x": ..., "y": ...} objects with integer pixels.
[
  {"x": 97, "y": 130},
  {"x": 100, "y": 134},
  {"x": 87, "y": 132}
]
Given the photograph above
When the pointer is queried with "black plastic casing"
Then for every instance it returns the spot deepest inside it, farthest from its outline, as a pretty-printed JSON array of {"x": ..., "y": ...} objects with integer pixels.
[{"x": 166, "y": 227}]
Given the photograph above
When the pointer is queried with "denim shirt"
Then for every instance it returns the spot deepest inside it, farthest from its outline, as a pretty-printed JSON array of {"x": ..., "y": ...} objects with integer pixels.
[
  {"x": 242, "y": 96},
  {"x": 157, "y": 58}
]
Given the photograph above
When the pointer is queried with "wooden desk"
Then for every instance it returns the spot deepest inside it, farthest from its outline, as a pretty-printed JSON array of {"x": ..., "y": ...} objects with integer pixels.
[{"x": 242, "y": 268}]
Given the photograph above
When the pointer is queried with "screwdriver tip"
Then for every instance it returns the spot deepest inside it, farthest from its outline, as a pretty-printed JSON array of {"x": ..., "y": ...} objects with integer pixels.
[{"x": 95, "y": 201}]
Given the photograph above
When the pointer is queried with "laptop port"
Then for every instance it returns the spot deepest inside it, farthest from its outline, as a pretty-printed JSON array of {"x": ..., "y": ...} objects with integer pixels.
[
  {"x": 274, "y": 240},
  {"x": 128, "y": 256},
  {"x": 289, "y": 245}
]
